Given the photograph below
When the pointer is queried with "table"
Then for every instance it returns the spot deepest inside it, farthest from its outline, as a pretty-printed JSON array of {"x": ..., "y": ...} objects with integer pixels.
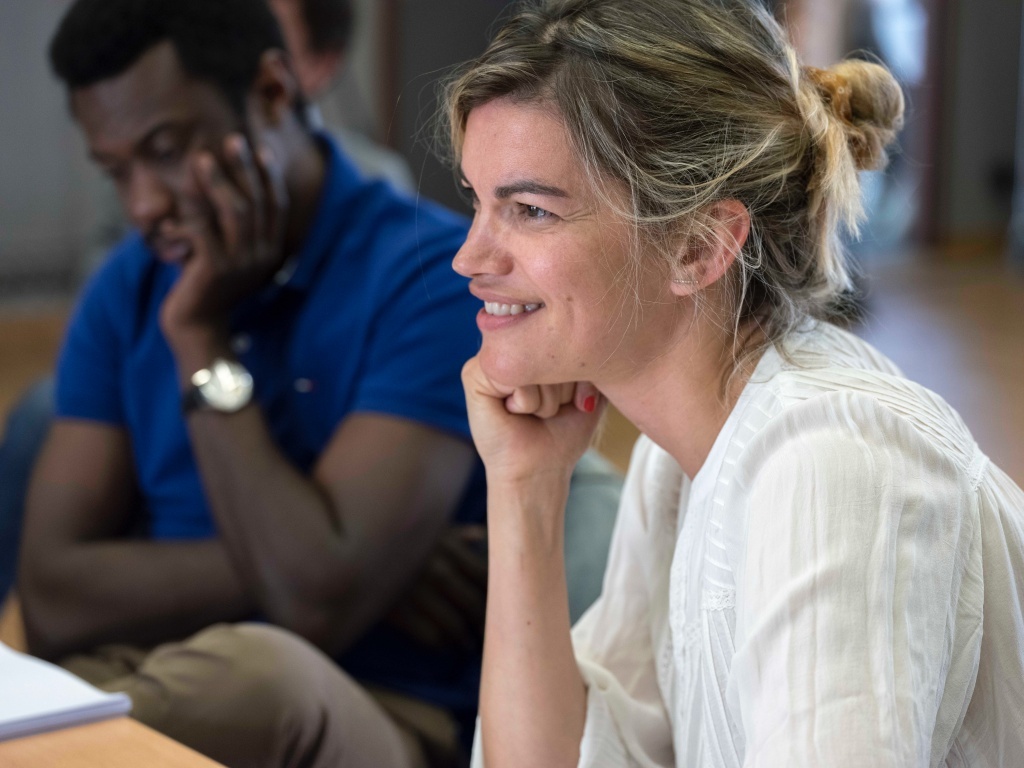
[{"x": 117, "y": 743}]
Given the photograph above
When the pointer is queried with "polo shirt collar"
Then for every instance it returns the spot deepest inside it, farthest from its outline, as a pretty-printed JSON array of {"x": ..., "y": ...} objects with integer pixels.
[{"x": 342, "y": 182}]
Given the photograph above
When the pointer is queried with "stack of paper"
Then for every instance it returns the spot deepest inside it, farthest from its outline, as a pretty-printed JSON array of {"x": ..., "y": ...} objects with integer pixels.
[{"x": 37, "y": 696}]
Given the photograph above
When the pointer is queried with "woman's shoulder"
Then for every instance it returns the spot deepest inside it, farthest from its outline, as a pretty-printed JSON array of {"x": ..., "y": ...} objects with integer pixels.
[
  {"x": 824, "y": 346},
  {"x": 829, "y": 382}
]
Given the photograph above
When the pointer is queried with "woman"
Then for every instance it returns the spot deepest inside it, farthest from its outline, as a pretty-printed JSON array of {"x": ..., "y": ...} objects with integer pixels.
[{"x": 814, "y": 564}]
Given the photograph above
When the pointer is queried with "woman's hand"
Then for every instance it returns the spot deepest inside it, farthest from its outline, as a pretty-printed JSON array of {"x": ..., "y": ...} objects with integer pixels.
[
  {"x": 529, "y": 438},
  {"x": 523, "y": 432}
]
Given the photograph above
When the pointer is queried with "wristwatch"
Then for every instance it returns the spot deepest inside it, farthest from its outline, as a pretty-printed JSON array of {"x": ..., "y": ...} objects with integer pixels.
[{"x": 225, "y": 386}]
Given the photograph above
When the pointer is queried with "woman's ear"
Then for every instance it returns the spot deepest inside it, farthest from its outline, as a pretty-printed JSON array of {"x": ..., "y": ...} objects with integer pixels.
[
  {"x": 275, "y": 91},
  {"x": 703, "y": 260}
]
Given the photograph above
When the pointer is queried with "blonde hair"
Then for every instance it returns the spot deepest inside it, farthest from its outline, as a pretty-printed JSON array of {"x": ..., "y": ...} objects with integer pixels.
[{"x": 687, "y": 102}]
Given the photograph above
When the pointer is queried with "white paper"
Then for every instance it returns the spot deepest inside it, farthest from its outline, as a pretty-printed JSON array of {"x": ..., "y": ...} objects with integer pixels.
[{"x": 37, "y": 696}]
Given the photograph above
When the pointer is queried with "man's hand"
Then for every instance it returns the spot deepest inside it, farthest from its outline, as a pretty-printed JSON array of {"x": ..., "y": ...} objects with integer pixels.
[
  {"x": 445, "y": 606},
  {"x": 236, "y": 239}
]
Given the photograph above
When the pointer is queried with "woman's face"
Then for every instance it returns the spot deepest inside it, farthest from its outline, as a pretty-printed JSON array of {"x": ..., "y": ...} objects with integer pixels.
[{"x": 551, "y": 262}]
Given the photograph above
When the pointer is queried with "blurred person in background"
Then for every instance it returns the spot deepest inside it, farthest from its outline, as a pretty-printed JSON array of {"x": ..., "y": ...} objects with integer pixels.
[
  {"x": 317, "y": 34},
  {"x": 814, "y": 563},
  {"x": 258, "y": 416}
]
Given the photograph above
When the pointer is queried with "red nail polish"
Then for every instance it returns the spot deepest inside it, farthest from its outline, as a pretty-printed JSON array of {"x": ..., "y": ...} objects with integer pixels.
[{"x": 590, "y": 404}]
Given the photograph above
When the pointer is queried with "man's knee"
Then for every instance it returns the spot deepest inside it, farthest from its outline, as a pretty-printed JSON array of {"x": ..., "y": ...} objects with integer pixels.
[
  {"x": 235, "y": 692},
  {"x": 262, "y": 667},
  {"x": 257, "y": 695}
]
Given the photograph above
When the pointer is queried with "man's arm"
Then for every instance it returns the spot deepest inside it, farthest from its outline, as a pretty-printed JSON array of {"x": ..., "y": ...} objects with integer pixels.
[
  {"x": 327, "y": 555},
  {"x": 84, "y": 581}
]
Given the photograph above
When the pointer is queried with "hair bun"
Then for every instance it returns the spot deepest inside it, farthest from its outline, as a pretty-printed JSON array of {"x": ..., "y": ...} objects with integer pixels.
[{"x": 868, "y": 100}]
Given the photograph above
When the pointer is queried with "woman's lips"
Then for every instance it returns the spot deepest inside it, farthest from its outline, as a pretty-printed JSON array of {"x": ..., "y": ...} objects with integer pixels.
[{"x": 496, "y": 315}]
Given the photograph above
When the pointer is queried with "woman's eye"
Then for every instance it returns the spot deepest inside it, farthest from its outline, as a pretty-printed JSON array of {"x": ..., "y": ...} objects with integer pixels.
[{"x": 533, "y": 212}]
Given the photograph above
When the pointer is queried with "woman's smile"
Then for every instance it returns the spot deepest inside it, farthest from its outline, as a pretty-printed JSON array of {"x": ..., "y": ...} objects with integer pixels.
[{"x": 500, "y": 310}]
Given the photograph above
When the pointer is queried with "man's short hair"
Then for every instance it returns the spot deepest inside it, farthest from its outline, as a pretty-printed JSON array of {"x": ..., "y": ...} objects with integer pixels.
[
  {"x": 217, "y": 41},
  {"x": 329, "y": 24}
]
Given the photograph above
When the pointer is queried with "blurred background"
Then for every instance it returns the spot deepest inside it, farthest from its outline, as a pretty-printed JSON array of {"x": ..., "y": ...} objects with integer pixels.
[{"x": 942, "y": 251}]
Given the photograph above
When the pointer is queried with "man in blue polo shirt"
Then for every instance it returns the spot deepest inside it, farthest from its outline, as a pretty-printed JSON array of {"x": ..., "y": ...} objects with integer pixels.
[{"x": 259, "y": 414}]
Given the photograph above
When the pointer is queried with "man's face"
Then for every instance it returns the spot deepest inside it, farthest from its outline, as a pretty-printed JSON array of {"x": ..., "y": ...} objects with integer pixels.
[{"x": 144, "y": 128}]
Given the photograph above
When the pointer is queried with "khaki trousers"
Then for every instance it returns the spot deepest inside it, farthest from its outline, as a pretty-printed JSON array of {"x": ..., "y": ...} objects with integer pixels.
[{"x": 256, "y": 696}]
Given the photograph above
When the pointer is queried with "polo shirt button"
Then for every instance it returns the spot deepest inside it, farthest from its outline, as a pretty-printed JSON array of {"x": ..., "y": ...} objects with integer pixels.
[
  {"x": 241, "y": 343},
  {"x": 303, "y": 386}
]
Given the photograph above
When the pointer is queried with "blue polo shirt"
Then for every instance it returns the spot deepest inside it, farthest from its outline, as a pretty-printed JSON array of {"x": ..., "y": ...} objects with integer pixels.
[{"x": 368, "y": 317}]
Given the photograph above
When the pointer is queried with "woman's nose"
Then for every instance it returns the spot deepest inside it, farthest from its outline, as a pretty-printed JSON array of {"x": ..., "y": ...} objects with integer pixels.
[{"x": 481, "y": 254}]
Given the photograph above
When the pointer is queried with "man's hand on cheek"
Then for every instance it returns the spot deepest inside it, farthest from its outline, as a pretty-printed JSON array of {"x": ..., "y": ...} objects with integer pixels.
[{"x": 236, "y": 236}]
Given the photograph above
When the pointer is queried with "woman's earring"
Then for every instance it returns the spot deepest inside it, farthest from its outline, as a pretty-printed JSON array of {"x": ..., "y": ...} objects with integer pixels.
[{"x": 685, "y": 281}]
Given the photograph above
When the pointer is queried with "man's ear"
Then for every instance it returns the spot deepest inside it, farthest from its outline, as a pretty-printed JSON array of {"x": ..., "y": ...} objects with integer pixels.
[
  {"x": 275, "y": 90},
  {"x": 702, "y": 261}
]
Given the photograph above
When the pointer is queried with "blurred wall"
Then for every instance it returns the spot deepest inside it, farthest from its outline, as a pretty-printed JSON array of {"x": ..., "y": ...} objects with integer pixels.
[
  {"x": 981, "y": 74},
  {"x": 434, "y": 36},
  {"x": 48, "y": 191},
  {"x": 1017, "y": 222}
]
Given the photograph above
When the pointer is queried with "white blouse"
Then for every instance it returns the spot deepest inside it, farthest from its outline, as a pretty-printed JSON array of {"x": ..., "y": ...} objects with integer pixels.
[{"x": 841, "y": 584}]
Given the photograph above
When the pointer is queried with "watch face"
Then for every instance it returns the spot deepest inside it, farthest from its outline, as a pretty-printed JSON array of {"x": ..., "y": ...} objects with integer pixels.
[{"x": 224, "y": 386}]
